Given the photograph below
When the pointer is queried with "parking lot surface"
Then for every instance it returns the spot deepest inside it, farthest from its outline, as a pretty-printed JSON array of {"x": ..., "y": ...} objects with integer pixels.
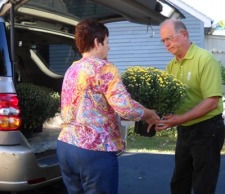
[{"x": 141, "y": 173}]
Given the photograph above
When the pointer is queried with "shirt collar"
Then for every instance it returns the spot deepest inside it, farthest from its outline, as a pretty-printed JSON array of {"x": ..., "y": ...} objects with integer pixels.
[{"x": 189, "y": 54}]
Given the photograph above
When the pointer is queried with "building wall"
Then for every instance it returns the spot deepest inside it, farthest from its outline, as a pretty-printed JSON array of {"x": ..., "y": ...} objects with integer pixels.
[
  {"x": 216, "y": 44},
  {"x": 132, "y": 44}
]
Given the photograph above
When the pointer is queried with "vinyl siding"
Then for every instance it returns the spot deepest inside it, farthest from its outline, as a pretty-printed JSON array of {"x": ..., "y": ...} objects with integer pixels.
[
  {"x": 131, "y": 44},
  {"x": 216, "y": 45}
]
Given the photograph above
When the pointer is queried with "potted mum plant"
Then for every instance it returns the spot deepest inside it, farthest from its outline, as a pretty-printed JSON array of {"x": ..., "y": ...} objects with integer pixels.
[
  {"x": 37, "y": 104},
  {"x": 154, "y": 89}
]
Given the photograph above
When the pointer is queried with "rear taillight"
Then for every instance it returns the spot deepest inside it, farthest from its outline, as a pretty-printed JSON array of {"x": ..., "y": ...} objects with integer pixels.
[{"x": 9, "y": 112}]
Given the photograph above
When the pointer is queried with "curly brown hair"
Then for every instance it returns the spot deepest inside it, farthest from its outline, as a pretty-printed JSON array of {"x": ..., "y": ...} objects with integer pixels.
[{"x": 86, "y": 32}]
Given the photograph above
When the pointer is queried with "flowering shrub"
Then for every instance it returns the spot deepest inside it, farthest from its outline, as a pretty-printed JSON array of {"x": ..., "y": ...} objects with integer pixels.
[
  {"x": 37, "y": 104},
  {"x": 154, "y": 89},
  {"x": 222, "y": 73}
]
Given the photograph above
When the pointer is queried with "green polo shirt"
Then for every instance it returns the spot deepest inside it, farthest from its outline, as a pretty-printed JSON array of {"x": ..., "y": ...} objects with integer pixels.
[{"x": 200, "y": 71}]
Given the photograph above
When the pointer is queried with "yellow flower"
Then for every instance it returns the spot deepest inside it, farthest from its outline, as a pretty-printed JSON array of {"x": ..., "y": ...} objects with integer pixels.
[{"x": 154, "y": 88}]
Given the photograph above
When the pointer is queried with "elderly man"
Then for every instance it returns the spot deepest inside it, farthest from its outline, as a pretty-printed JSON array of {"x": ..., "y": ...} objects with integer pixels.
[{"x": 199, "y": 119}]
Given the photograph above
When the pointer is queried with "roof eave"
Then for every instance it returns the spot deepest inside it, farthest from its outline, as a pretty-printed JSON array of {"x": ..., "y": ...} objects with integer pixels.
[{"x": 205, "y": 19}]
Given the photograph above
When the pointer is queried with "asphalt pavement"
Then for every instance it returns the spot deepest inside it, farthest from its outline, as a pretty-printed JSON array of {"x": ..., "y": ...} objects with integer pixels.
[
  {"x": 143, "y": 173},
  {"x": 140, "y": 173}
]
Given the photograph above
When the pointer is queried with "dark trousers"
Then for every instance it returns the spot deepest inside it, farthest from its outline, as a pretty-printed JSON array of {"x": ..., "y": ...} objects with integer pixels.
[
  {"x": 197, "y": 157},
  {"x": 88, "y": 172}
]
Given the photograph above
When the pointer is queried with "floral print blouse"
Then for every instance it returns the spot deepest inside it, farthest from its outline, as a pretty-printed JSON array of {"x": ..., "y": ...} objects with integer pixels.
[{"x": 92, "y": 97}]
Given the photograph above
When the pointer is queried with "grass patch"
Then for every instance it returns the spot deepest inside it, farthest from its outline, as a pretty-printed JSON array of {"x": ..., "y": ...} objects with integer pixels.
[
  {"x": 164, "y": 142},
  {"x": 137, "y": 143}
]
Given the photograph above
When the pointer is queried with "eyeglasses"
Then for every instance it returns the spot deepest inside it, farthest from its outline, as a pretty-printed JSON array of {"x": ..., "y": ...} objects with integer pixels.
[{"x": 170, "y": 38}]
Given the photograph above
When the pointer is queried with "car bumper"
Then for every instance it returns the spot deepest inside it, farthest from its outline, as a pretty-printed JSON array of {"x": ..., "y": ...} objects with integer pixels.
[{"x": 21, "y": 170}]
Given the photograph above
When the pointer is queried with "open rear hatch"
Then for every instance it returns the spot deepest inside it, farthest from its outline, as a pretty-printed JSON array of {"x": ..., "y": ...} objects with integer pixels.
[{"x": 150, "y": 12}]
